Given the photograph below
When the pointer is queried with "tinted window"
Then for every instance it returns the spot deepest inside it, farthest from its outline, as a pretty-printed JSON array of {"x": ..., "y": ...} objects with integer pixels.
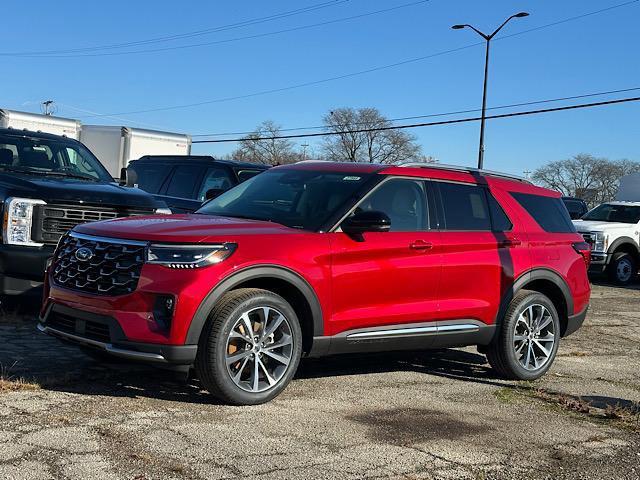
[
  {"x": 549, "y": 212},
  {"x": 465, "y": 207},
  {"x": 576, "y": 208},
  {"x": 245, "y": 174},
  {"x": 404, "y": 202},
  {"x": 150, "y": 177},
  {"x": 611, "y": 212},
  {"x": 183, "y": 181},
  {"x": 304, "y": 199},
  {"x": 499, "y": 219},
  {"x": 216, "y": 178}
]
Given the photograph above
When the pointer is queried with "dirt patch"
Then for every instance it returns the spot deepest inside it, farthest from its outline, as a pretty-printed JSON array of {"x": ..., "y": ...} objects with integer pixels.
[{"x": 405, "y": 427}]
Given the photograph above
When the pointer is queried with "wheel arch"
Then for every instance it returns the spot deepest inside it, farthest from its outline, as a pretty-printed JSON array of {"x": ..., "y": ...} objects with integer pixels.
[
  {"x": 627, "y": 245},
  {"x": 549, "y": 283},
  {"x": 280, "y": 280}
]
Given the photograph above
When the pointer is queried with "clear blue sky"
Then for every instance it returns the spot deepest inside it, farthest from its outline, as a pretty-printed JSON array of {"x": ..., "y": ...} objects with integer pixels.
[{"x": 596, "y": 53}]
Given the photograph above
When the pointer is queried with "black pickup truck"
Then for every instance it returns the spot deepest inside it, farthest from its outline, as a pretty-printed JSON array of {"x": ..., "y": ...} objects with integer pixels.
[{"x": 48, "y": 185}]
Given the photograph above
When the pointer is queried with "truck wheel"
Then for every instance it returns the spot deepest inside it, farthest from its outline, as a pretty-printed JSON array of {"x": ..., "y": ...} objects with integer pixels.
[
  {"x": 527, "y": 342},
  {"x": 622, "y": 269},
  {"x": 250, "y": 347}
]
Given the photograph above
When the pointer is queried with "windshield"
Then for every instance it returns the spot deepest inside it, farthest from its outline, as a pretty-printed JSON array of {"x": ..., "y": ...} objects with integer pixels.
[
  {"x": 302, "y": 199},
  {"x": 608, "y": 212},
  {"x": 50, "y": 157}
]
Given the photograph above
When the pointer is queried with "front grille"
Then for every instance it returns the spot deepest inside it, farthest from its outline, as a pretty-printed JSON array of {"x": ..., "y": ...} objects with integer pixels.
[
  {"x": 56, "y": 220},
  {"x": 112, "y": 267},
  {"x": 82, "y": 328}
]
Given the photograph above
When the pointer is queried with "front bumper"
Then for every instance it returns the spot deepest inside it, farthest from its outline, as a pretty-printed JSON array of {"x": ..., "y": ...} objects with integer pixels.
[
  {"x": 599, "y": 262},
  {"x": 22, "y": 268},
  {"x": 104, "y": 333}
]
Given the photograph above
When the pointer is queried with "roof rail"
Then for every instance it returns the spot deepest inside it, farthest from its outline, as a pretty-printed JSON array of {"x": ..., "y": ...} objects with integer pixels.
[{"x": 458, "y": 168}]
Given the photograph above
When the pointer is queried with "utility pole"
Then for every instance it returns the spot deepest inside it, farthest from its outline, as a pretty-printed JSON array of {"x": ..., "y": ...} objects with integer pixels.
[
  {"x": 487, "y": 39},
  {"x": 304, "y": 151},
  {"x": 47, "y": 107}
]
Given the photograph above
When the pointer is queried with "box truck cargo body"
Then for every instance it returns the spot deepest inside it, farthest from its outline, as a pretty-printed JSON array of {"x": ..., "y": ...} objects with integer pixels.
[
  {"x": 115, "y": 147},
  {"x": 40, "y": 123}
]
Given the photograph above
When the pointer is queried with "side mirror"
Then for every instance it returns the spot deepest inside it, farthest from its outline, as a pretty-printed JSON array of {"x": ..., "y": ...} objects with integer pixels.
[
  {"x": 213, "y": 193},
  {"x": 128, "y": 177},
  {"x": 366, "y": 221}
]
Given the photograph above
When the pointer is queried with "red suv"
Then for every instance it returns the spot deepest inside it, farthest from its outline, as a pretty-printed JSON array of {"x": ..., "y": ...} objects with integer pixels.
[{"x": 323, "y": 258}]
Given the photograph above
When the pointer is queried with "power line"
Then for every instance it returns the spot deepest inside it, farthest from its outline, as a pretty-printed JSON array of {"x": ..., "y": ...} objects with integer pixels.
[
  {"x": 430, "y": 124},
  {"x": 441, "y": 114},
  {"x": 195, "y": 33},
  {"x": 236, "y": 39},
  {"x": 354, "y": 74}
]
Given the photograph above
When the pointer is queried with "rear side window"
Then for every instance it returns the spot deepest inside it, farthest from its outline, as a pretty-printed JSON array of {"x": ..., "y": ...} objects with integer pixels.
[
  {"x": 183, "y": 180},
  {"x": 465, "y": 207},
  {"x": 549, "y": 212},
  {"x": 150, "y": 177}
]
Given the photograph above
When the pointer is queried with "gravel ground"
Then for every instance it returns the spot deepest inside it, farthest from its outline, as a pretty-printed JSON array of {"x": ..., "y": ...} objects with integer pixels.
[{"x": 422, "y": 415}]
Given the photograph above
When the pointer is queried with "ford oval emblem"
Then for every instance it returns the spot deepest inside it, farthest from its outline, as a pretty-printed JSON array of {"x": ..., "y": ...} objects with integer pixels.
[{"x": 84, "y": 254}]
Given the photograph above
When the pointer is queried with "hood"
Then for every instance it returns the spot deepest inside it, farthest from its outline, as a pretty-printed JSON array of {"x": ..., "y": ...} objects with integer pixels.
[
  {"x": 595, "y": 226},
  {"x": 188, "y": 228},
  {"x": 71, "y": 190}
]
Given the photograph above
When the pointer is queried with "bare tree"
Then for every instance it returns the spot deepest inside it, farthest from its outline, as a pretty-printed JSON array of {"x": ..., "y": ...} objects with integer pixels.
[
  {"x": 596, "y": 180},
  {"x": 373, "y": 145},
  {"x": 263, "y": 146}
]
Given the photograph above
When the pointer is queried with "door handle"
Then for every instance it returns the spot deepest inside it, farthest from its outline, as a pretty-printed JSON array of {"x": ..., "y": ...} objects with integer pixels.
[
  {"x": 509, "y": 243},
  {"x": 421, "y": 245}
]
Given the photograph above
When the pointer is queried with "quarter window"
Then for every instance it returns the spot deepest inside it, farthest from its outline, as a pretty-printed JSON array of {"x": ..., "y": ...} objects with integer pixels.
[
  {"x": 404, "y": 201},
  {"x": 549, "y": 212}
]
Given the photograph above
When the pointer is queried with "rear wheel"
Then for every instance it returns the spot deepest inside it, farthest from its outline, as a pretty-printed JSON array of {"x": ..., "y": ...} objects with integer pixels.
[
  {"x": 527, "y": 343},
  {"x": 623, "y": 268},
  {"x": 250, "y": 347}
]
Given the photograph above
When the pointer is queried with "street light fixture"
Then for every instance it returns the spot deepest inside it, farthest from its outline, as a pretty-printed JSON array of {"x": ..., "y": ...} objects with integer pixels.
[{"x": 487, "y": 38}]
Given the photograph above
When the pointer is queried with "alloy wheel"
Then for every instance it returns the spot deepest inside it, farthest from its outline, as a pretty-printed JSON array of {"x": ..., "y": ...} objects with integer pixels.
[
  {"x": 534, "y": 337},
  {"x": 259, "y": 349}
]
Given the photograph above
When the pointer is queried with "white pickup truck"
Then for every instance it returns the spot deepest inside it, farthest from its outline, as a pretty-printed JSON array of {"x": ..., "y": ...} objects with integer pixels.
[{"x": 613, "y": 230}]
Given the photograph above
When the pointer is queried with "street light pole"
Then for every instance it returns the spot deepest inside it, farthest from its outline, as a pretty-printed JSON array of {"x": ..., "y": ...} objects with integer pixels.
[{"x": 487, "y": 39}]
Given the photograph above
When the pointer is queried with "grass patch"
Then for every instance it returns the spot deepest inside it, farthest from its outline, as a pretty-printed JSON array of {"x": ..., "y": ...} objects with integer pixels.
[
  {"x": 11, "y": 383},
  {"x": 506, "y": 395}
]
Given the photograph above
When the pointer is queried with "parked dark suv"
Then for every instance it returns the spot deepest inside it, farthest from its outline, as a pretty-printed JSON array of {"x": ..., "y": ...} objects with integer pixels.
[
  {"x": 575, "y": 206},
  {"x": 185, "y": 182},
  {"x": 322, "y": 258},
  {"x": 48, "y": 185}
]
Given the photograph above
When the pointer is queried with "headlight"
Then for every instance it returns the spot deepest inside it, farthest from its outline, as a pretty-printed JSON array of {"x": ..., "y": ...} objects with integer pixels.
[
  {"x": 163, "y": 211},
  {"x": 189, "y": 256},
  {"x": 18, "y": 220},
  {"x": 601, "y": 242}
]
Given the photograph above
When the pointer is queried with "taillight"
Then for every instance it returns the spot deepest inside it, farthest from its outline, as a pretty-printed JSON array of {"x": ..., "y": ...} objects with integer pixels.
[{"x": 584, "y": 249}]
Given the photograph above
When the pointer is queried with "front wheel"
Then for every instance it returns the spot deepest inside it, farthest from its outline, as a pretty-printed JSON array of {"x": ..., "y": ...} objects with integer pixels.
[
  {"x": 250, "y": 347},
  {"x": 622, "y": 269},
  {"x": 527, "y": 343}
]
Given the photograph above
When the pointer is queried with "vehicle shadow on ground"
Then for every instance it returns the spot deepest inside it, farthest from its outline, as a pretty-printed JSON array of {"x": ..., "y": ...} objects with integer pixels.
[{"x": 603, "y": 282}]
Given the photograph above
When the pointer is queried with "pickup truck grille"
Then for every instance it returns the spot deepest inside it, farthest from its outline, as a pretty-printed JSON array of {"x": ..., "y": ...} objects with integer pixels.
[
  {"x": 109, "y": 267},
  {"x": 53, "y": 220}
]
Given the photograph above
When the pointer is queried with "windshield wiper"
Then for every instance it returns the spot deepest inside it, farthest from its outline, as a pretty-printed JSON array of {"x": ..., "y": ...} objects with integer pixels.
[{"x": 57, "y": 173}]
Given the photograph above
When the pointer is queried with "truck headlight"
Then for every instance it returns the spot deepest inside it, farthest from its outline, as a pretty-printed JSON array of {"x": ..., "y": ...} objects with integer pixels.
[
  {"x": 18, "y": 221},
  {"x": 601, "y": 242},
  {"x": 189, "y": 256}
]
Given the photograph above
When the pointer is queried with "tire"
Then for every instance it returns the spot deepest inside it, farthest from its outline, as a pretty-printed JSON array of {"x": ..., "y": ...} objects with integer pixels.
[
  {"x": 528, "y": 356},
  {"x": 224, "y": 338},
  {"x": 623, "y": 269}
]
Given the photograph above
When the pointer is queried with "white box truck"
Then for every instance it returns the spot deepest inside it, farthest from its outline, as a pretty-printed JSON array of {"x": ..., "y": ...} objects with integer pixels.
[
  {"x": 115, "y": 147},
  {"x": 40, "y": 123}
]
